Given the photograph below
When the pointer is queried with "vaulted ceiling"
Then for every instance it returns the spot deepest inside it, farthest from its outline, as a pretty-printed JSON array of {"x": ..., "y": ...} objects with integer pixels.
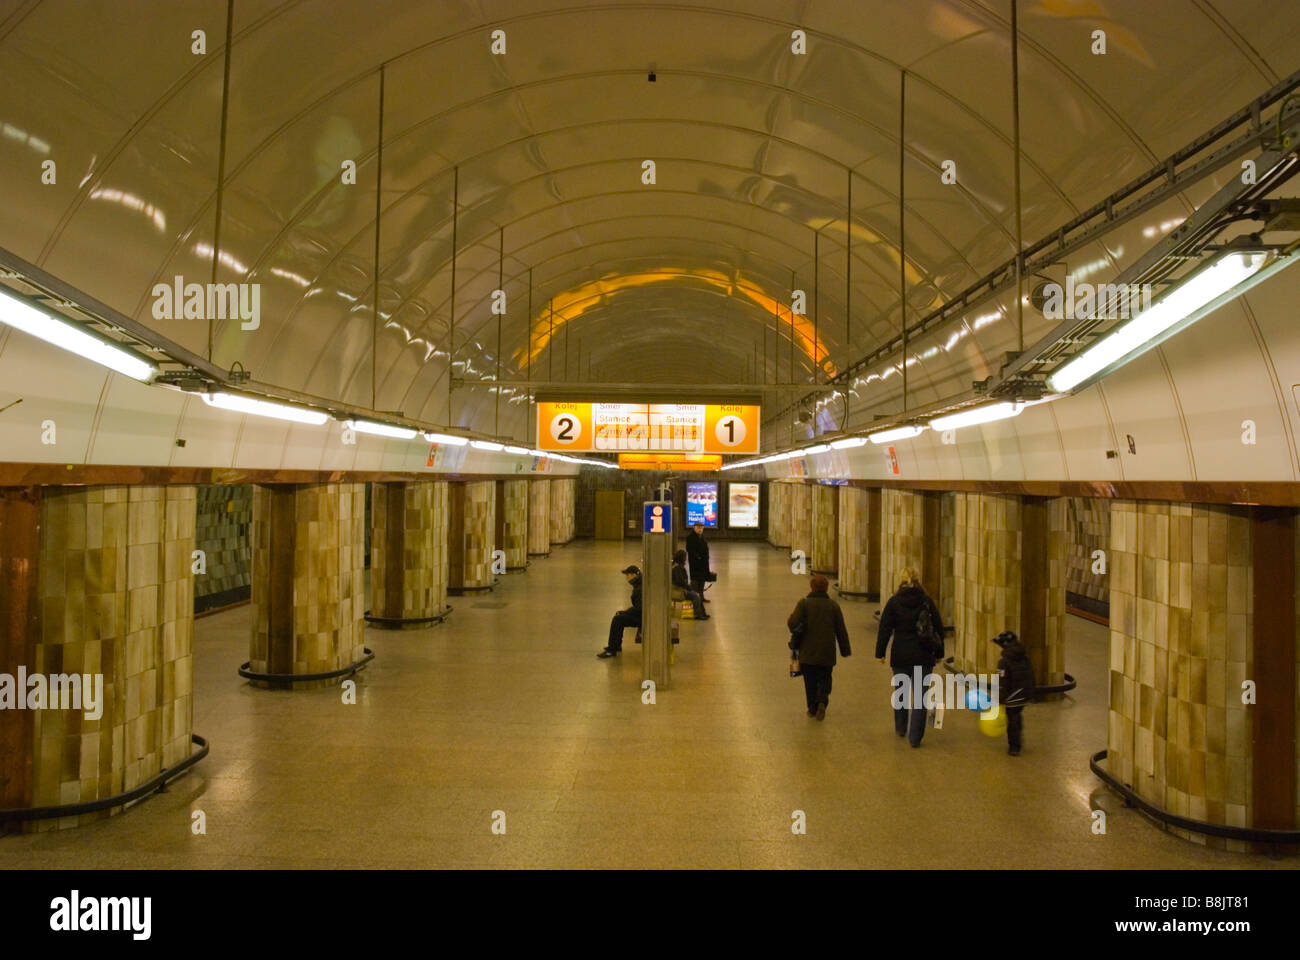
[{"x": 540, "y": 152}]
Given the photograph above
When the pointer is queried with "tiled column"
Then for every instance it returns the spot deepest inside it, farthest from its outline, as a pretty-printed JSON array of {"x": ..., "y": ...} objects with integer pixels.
[
  {"x": 778, "y": 514},
  {"x": 308, "y": 603},
  {"x": 470, "y": 540},
  {"x": 947, "y": 550},
  {"x": 562, "y": 522},
  {"x": 515, "y": 496},
  {"x": 988, "y": 581},
  {"x": 539, "y": 518},
  {"x": 1181, "y": 627},
  {"x": 801, "y": 519},
  {"x": 1058, "y": 552},
  {"x": 859, "y": 542},
  {"x": 824, "y": 556},
  {"x": 408, "y": 552},
  {"x": 909, "y": 538},
  {"x": 113, "y": 596}
]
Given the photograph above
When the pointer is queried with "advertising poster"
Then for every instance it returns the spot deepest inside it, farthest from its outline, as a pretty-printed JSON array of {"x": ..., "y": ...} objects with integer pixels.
[
  {"x": 742, "y": 503},
  {"x": 702, "y": 504}
]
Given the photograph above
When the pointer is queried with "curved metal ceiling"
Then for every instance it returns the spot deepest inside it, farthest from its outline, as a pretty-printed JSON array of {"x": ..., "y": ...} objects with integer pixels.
[{"x": 687, "y": 280}]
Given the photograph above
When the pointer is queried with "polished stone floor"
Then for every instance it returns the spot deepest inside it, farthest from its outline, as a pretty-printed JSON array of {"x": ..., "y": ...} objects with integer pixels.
[{"x": 506, "y": 708}]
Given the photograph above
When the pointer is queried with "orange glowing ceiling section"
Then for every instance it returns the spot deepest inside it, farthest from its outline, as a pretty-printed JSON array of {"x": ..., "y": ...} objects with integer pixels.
[
  {"x": 669, "y": 461},
  {"x": 573, "y": 303}
]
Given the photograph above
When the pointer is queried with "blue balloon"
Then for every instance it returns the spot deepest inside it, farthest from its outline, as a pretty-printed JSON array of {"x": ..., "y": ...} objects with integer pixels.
[{"x": 977, "y": 699}]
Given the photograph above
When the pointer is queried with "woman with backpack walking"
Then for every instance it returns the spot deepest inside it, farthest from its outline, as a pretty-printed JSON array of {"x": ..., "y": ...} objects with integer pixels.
[{"x": 912, "y": 620}]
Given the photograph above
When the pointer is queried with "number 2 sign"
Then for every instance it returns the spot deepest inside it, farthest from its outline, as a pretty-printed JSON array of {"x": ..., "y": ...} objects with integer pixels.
[{"x": 564, "y": 426}]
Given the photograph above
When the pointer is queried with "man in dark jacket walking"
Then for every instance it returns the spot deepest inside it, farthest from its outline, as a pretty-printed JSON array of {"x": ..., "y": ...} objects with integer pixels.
[
  {"x": 1015, "y": 686},
  {"x": 818, "y": 626},
  {"x": 631, "y": 617},
  {"x": 697, "y": 550},
  {"x": 913, "y": 620}
]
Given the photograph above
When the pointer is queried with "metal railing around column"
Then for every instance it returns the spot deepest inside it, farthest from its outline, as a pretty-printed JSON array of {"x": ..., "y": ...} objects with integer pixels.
[{"x": 154, "y": 785}]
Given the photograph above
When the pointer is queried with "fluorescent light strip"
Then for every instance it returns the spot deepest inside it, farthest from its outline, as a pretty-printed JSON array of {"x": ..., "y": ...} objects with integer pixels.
[
  {"x": 20, "y": 314},
  {"x": 447, "y": 438},
  {"x": 819, "y": 448},
  {"x": 896, "y": 433},
  {"x": 985, "y": 414},
  {"x": 517, "y": 451},
  {"x": 847, "y": 443},
  {"x": 382, "y": 429},
  {"x": 1181, "y": 302},
  {"x": 239, "y": 403},
  {"x": 487, "y": 445}
]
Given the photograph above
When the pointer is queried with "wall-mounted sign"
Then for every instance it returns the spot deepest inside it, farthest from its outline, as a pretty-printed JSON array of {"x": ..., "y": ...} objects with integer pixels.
[
  {"x": 658, "y": 518},
  {"x": 669, "y": 461},
  {"x": 716, "y": 428}
]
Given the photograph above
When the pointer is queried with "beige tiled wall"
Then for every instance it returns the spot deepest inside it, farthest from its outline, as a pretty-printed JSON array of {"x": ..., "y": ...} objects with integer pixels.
[
  {"x": 801, "y": 519},
  {"x": 539, "y": 517},
  {"x": 1088, "y": 527},
  {"x": 823, "y": 557},
  {"x": 854, "y": 539},
  {"x": 328, "y": 577},
  {"x": 424, "y": 552},
  {"x": 1181, "y": 645},
  {"x": 117, "y": 598},
  {"x": 516, "y": 523},
  {"x": 778, "y": 514},
  {"x": 561, "y": 516},
  {"x": 986, "y": 576},
  {"x": 224, "y": 514}
]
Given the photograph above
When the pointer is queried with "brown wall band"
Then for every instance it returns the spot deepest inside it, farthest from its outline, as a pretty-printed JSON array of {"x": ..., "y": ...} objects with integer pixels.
[
  {"x": 279, "y": 639},
  {"x": 1273, "y": 717},
  {"x": 1035, "y": 530},
  {"x": 394, "y": 548},
  {"x": 20, "y": 551}
]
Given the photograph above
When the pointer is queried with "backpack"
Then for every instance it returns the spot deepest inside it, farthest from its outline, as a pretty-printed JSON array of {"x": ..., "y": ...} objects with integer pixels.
[{"x": 925, "y": 634}]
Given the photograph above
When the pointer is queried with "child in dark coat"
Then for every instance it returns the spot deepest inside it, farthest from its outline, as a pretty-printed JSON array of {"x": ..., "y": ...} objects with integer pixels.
[{"x": 1015, "y": 686}]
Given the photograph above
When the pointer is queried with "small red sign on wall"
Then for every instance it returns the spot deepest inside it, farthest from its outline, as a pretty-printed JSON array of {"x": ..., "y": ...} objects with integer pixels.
[{"x": 891, "y": 457}]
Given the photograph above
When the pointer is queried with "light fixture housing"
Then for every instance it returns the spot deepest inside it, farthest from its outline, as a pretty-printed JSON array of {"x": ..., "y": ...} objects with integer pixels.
[
  {"x": 819, "y": 448},
  {"x": 381, "y": 429},
  {"x": 20, "y": 314},
  {"x": 449, "y": 439},
  {"x": 896, "y": 433},
  {"x": 240, "y": 403},
  {"x": 847, "y": 443},
  {"x": 988, "y": 413},
  {"x": 1226, "y": 275},
  {"x": 491, "y": 445},
  {"x": 517, "y": 451}
]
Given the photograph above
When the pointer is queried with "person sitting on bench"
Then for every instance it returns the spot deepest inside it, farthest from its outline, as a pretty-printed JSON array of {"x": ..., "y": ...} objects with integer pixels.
[
  {"x": 682, "y": 585},
  {"x": 631, "y": 617}
]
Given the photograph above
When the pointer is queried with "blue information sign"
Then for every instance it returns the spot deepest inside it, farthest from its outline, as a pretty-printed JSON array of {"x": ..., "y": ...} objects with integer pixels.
[{"x": 658, "y": 518}]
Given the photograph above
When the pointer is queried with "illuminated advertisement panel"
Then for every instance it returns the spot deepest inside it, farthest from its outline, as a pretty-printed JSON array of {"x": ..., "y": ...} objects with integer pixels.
[
  {"x": 702, "y": 504},
  {"x": 742, "y": 505}
]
